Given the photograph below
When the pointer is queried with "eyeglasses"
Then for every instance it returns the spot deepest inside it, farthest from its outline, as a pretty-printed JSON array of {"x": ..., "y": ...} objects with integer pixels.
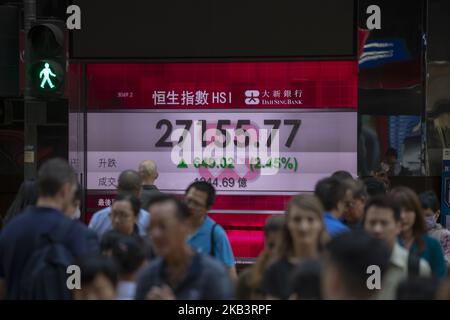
[
  {"x": 193, "y": 203},
  {"x": 122, "y": 216}
]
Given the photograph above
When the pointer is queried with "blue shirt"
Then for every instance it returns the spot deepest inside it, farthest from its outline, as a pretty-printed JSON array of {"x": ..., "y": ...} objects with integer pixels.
[
  {"x": 334, "y": 226},
  {"x": 18, "y": 240},
  {"x": 432, "y": 254},
  {"x": 205, "y": 279},
  {"x": 201, "y": 241},
  {"x": 101, "y": 222}
]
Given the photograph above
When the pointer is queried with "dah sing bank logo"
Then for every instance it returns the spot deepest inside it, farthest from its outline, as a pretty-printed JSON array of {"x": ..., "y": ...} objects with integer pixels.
[
  {"x": 252, "y": 97},
  {"x": 273, "y": 97}
]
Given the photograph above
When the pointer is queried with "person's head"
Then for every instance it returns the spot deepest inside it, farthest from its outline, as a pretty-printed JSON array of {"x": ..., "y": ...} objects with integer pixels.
[
  {"x": 355, "y": 212},
  {"x": 73, "y": 209},
  {"x": 148, "y": 171},
  {"x": 412, "y": 219},
  {"x": 418, "y": 288},
  {"x": 124, "y": 213},
  {"x": 169, "y": 226},
  {"x": 334, "y": 195},
  {"x": 108, "y": 241},
  {"x": 304, "y": 225},
  {"x": 391, "y": 156},
  {"x": 129, "y": 254},
  {"x": 305, "y": 282},
  {"x": 272, "y": 232},
  {"x": 382, "y": 219},
  {"x": 129, "y": 182},
  {"x": 98, "y": 278},
  {"x": 199, "y": 197},
  {"x": 346, "y": 261},
  {"x": 375, "y": 186},
  {"x": 26, "y": 196},
  {"x": 56, "y": 183},
  {"x": 430, "y": 206},
  {"x": 342, "y": 175}
]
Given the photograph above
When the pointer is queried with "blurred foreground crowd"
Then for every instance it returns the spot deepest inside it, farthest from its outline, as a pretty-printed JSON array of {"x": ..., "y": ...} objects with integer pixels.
[{"x": 351, "y": 239}]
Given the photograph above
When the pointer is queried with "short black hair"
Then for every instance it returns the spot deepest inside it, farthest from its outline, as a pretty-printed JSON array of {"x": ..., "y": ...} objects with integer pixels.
[
  {"x": 384, "y": 202},
  {"x": 92, "y": 265},
  {"x": 132, "y": 199},
  {"x": 330, "y": 191},
  {"x": 204, "y": 187},
  {"x": 52, "y": 176},
  {"x": 274, "y": 224},
  {"x": 129, "y": 254},
  {"x": 352, "y": 253},
  {"x": 359, "y": 190},
  {"x": 183, "y": 211},
  {"x": 418, "y": 288},
  {"x": 305, "y": 280},
  {"x": 429, "y": 200},
  {"x": 374, "y": 186},
  {"x": 109, "y": 239},
  {"x": 129, "y": 181},
  {"x": 342, "y": 175}
]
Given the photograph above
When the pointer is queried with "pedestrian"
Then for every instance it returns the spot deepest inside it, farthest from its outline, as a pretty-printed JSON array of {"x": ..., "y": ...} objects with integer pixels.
[
  {"x": 128, "y": 182},
  {"x": 130, "y": 257},
  {"x": 98, "y": 279},
  {"x": 382, "y": 219},
  {"x": 26, "y": 196},
  {"x": 345, "y": 263},
  {"x": 431, "y": 210},
  {"x": 148, "y": 173},
  {"x": 335, "y": 196},
  {"x": 249, "y": 285},
  {"x": 124, "y": 217},
  {"x": 353, "y": 216},
  {"x": 207, "y": 236},
  {"x": 25, "y": 240},
  {"x": 303, "y": 237},
  {"x": 179, "y": 271},
  {"x": 413, "y": 236}
]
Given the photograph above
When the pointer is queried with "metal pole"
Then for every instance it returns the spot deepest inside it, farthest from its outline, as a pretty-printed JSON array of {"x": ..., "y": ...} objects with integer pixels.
[{"x": 30, "y": 125}]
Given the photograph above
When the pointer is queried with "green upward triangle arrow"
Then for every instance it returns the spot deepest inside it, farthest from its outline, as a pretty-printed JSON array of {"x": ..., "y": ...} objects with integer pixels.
[{"x": 182, "y": 164}]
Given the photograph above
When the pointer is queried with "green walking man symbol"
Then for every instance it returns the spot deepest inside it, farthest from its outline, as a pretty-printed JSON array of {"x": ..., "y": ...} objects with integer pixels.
[{"x": 46, "y": 73}]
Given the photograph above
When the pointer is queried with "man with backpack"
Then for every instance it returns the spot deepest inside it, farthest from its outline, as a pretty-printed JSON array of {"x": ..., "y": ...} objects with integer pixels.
[
  {"x": 37, "y": 246},
  {"x": 207, "y": 236}
]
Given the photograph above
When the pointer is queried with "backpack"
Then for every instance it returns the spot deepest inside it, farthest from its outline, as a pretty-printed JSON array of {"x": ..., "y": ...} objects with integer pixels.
[
  {"x": 44, "y": 276},
  {"x": 212, "y": 252}
]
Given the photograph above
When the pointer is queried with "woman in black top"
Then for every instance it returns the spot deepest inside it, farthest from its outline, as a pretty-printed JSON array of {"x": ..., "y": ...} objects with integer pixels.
[
  {"x": 124, "y": 217},
  {"x": 304, "y": 235}
]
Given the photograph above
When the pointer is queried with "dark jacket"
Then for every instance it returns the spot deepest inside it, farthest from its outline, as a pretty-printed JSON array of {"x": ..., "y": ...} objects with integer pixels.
[
  {"x": 148, "y": 192},
  {"x": 206, "y": 279}
]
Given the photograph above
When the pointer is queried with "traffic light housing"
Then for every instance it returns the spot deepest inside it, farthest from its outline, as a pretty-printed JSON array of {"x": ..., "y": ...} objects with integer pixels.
[{"x": 47, "y": 59}]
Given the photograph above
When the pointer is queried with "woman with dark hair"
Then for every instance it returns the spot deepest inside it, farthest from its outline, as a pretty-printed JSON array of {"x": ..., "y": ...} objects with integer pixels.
[
  {"x": 124, "y": 214},
  {"x": 250, "y": 280},
  {"x": 303, "y": 237},
  {"x": 124, "y": 217},
  {"x": 26, "y": 196},
  {"x": 413, "y": 235}
]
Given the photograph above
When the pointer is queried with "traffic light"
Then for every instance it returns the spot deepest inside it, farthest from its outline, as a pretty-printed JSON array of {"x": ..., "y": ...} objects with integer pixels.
[{"x": 47, "y": 59}]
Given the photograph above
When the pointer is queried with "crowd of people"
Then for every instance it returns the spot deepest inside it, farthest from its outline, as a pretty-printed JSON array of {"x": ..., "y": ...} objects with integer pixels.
[{"x": 350, "y": 239}]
